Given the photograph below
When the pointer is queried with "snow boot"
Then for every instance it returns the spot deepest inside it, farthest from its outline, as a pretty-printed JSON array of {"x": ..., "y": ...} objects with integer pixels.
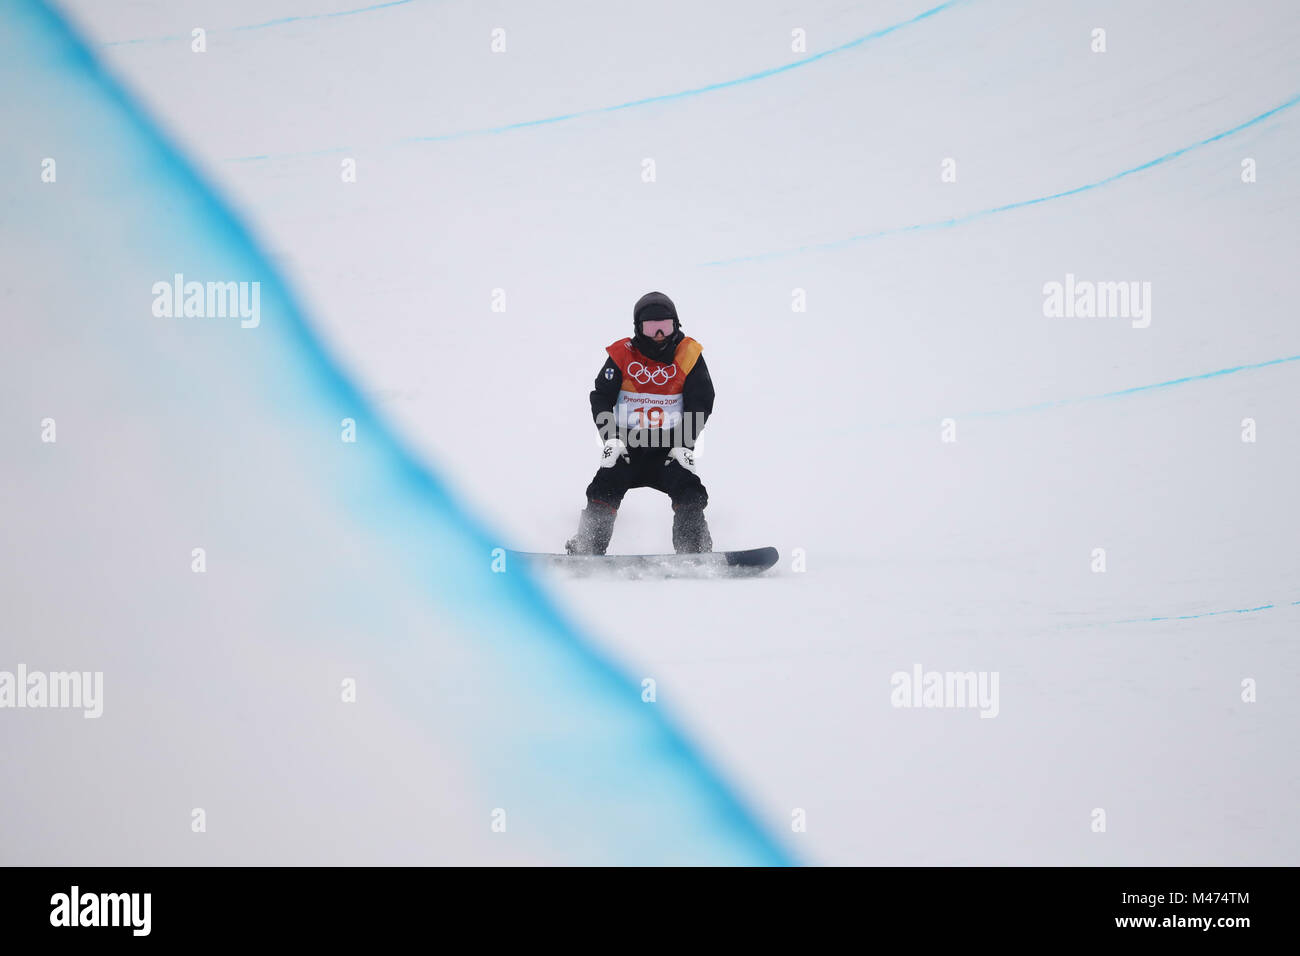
[
  {"x": 691, "y": 531},
  {"x": 595, "y": 528}
]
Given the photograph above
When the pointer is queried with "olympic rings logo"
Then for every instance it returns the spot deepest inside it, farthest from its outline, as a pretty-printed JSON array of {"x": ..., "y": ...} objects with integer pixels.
[{"x": 659, "y": 376}]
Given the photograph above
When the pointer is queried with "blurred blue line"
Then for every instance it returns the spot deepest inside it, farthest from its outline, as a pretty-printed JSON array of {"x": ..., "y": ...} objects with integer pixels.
[
  {"x": 1099, "y": 396},
  {"x": 715, "y": 793},
  {"x": 323, "y": 16},
  {"x": 1133, "y": 390},
  {"x": 698, "y": 90},
  {"x": 644, "y": 101},
  {"x": 269, "y": 23},
  {"x": 1165, "y": 618},
  {"x": 1020, "y": 204},
  {"x": 1193, "y": 617}
]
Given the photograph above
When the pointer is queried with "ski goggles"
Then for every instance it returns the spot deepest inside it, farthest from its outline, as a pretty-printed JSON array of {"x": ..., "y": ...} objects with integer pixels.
[{"x": 651, "y": 327}]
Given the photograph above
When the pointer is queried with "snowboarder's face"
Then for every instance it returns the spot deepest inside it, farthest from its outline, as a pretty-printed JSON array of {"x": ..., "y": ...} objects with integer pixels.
[{"x": 657, "y": 329}]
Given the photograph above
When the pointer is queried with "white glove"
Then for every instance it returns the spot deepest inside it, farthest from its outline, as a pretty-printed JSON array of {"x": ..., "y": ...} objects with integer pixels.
[
  {"x": 614, "y": 450},
  {"x": 684, "y": 457}
]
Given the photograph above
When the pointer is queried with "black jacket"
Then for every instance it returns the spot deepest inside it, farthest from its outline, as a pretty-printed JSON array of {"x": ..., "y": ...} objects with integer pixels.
[{"x": 697, "y": 400}]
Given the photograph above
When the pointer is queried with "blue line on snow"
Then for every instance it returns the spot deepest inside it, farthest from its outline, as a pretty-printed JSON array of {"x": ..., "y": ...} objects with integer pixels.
[
  {"x": 323, "y": 16},
  {"x": 697, "y": 91},
  {"x": 547, "y": 614},
  {"x": 1060, "y": 402},
  {"x": 1100, "y": 396},
  {"x": 644, "y": 101},
  {"x": 1020, "y": 204},
  {"x": 1175, "y": 617},
  {"x": 269, "y": 23},
  {"x": 1192, "y": 617}
]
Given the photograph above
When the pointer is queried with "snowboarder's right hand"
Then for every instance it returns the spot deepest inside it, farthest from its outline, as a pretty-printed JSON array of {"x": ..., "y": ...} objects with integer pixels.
[{"x": 614, "y": 450}]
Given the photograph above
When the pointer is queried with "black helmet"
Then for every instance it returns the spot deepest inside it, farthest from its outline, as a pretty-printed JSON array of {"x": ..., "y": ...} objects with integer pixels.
[{"x": 654, "y": 305}]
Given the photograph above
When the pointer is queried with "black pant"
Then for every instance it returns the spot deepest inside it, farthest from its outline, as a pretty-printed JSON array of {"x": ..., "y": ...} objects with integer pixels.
[{"x": 649, "y": 468}]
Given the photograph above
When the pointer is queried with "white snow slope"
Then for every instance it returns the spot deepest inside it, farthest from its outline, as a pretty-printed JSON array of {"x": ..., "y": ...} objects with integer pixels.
[{"x": 777, "y": 170}]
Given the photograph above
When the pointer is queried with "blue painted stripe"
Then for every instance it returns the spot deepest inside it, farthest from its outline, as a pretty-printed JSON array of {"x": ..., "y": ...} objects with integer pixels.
[
  {"x": 269, "y": 23},
  {"x": 551, "y": 626},
  {"x": 1194, "y": 617},
  {"x": 1007, "y": 207},
  {"x": 1167, "y": 618},
  {"x": 324, "y": 16},
  {"x": 1097, "y": 397},
  {"x": 700, "y": 90},
  {"x": 1136, "y": 389},
  {"x": 644, "y": 101}
]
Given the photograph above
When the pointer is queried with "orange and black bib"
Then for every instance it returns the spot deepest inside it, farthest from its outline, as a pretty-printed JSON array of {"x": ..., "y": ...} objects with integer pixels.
[{"x": 651, "y": 396}]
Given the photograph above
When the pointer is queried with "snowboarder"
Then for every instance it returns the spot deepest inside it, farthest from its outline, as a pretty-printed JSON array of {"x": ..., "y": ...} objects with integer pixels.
[{"x": 652, "y": 398}]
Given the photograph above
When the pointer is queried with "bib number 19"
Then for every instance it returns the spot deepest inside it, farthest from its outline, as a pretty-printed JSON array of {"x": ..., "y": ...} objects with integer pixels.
[{"x": 652, "y": 417}]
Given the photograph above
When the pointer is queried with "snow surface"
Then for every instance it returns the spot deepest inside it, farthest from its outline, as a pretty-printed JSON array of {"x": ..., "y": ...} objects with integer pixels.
[{"x": 776, "y": 171}]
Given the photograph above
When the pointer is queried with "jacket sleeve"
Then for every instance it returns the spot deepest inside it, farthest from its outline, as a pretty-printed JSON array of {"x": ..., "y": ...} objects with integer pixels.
[
  {"x": 697, "y": 404},
  {"x": 605, "y": 396}
]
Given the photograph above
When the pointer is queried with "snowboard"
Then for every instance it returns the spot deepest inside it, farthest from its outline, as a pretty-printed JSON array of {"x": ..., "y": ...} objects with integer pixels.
[{"x": 709, "y": 564}]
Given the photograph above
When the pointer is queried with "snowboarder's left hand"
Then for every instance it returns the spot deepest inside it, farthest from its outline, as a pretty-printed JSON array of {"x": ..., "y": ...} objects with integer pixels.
[{"x": 684, "y": 457}]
